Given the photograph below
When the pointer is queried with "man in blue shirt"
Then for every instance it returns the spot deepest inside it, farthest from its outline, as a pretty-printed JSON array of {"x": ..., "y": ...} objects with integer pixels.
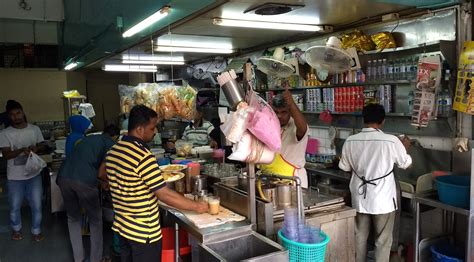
[{"x": 77, "y": 179}]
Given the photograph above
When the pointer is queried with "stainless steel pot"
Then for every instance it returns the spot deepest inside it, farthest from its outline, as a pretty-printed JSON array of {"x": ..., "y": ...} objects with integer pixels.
[{"x": 199, "y": 185}]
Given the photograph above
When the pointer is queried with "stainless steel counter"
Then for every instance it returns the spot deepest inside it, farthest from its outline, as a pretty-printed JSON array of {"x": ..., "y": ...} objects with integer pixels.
[{"x": 204, "y": 235}]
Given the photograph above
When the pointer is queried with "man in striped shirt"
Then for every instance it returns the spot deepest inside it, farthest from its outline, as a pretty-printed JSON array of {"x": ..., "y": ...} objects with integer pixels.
[
  {"x": 198, "y": 132},
  {"x": 136, "y": 185}
]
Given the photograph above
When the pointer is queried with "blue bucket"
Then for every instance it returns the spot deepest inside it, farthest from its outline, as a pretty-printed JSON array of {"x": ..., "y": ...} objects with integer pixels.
[
  {"x": 444, "y": 252},
  {"x": 454, "y": 190}
]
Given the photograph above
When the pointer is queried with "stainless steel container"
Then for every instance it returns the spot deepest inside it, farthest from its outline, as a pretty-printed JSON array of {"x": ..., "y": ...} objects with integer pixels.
[
  {"x": 233, "y": 93},
  {"x": 284, "y": 195},
  {"x": 199, "y": 185},
  {"x": 270, "y": 193}
]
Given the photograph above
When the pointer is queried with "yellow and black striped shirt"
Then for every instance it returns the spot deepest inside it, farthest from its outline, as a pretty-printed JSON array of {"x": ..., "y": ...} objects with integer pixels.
[{"x": 134, "y": 176}]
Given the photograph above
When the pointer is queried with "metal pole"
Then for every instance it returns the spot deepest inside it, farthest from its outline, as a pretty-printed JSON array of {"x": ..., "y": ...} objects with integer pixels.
[
  {"x": 251, "y": 193},
  {"x": 176, "y": 242},
  {"x": 417, "y": 229}
]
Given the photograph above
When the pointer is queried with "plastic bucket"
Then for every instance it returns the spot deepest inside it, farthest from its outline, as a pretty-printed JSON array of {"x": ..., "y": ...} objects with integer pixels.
[
  {"x": 167, "y": 253},
  {"x": 444, "y": 252},
  {"x": 454, "y": 190}
]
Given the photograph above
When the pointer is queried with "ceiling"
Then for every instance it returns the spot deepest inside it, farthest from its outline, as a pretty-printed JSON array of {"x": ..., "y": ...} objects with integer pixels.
[{"x": 320, "y": 12}]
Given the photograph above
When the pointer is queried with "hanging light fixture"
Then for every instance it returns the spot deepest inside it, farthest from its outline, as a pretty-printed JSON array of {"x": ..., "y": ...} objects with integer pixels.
[
  {"x": 71, "y": 66},
  {"x": 130, "y": 68},
  {"x": 269, "y": 25},
  {"x": 158, "y": 15}
]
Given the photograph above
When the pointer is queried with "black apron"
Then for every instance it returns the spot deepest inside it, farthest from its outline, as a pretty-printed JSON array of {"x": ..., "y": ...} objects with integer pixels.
[{"x": 363, "y": 187}]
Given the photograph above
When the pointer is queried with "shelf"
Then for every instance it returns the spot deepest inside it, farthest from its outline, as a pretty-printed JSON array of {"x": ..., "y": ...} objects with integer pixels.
[
  {"x": 403, "y": 48},
  {"x": 357, "y": 114},
  {"x": 395, "y": 82}
]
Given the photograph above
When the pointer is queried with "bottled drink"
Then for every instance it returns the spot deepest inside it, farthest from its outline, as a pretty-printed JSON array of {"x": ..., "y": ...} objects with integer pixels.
[
  {"x": 384, "y": 70},
  {"x": 402, "y": 75},
  {"x": 411, "y": 97},
  {"x": 380, "y": 70},
  {"x": 369, "y": 70},
  {"x": 396, "y": 67},
  {"x": 414, "y": 68},
  {"x": 390, "y": 70}
]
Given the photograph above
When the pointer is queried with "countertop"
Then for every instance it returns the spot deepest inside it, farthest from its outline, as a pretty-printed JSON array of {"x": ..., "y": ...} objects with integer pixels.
[{"x": 205, "y": 235}]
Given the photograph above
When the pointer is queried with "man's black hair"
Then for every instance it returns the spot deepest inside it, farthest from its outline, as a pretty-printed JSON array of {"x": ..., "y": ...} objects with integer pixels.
[
  {"x": 112, "y": 130},
  {"x": 140, "y": 115},
  {"x": 279, "y": 102},
  {"x": 12, "y": 105},
  {"x": 373, "y": 114}
]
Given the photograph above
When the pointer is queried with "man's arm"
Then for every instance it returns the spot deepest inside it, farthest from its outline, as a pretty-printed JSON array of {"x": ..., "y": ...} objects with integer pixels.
[
  {"x": 102, "y": 176},
  {"x": 10, "y": 154},
  {"x": 176, "y": 200},
  {"x": 300, "y": 120}
]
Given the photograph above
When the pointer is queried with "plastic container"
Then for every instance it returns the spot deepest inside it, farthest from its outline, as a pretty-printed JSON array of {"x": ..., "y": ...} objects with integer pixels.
[
  {"x": 305, "y": 252},
  {"x": 167, "y": 253},
  {"x": 454, "y": 190},
  {"x": 445, "y": 252}
]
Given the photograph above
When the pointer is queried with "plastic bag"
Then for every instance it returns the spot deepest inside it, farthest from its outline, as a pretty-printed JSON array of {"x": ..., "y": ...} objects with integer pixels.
[
  {"x": 126, "y": 94},
  {"x": 249, "y": 149},
  {"x": 166, "y": 103},
  {"x": 235, "y": 126},
  {"x": 184, "y": 103},
  {"x": 34, "y": 164},
  {"x": 263, "y": 122}
]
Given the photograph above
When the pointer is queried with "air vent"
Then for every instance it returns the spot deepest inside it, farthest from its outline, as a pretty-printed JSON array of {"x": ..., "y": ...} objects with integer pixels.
[{"x": 273, "y": 9}]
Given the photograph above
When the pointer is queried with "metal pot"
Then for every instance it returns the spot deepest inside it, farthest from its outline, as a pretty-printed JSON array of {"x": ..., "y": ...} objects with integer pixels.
[
  {"x": 243, "y": 182},
  {"x": 199, "y": 185},
  {"x": 270, "y": 192}
]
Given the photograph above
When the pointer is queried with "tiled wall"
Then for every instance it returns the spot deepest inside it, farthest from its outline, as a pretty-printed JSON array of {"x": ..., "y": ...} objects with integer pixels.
[{"x": 322, "y": 134}]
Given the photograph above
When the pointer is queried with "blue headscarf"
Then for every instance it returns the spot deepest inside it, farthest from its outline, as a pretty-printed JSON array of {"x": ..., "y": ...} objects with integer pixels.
[{"x": 79, "y": 125}]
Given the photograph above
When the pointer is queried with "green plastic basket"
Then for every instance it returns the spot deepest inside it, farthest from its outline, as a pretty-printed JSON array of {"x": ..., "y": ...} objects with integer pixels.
[{"x": 305, "y": 252}]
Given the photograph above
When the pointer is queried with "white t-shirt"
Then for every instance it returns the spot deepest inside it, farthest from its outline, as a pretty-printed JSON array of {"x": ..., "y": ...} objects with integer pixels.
[
  {"x": 372, "y": 154},
  {"x": 15, "y": 139},
  {"x": 294, "y": 151}
]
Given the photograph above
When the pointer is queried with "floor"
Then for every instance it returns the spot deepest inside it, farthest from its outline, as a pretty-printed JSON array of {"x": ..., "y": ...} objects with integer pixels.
[{"x": 56, "y": 246}]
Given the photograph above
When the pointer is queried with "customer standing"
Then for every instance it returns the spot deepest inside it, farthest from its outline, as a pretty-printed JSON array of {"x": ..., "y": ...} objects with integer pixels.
[
  {"x": 136, "y": 185},
  {"x": 294, "y": 133},
  {"x": 79, "y": 126},
  {"x": 370, "y": 156},
  {"x": 77, "y": 179},
  {"x": 16, "y": 142}
]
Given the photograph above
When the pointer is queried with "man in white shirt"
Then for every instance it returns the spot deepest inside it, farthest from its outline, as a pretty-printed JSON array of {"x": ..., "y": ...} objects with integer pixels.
[
  {"x": 294, "y": 133},
  {"x": 16, "y": 142},
  {"x": 370, "y": 156}
]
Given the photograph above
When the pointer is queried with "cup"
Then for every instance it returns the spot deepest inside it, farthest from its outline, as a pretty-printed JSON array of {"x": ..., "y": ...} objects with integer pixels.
[{"x": 214, "y": 204}]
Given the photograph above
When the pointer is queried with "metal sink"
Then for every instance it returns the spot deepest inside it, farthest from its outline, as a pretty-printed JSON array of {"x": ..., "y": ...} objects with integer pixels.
[{"x": 248, "y": 247}]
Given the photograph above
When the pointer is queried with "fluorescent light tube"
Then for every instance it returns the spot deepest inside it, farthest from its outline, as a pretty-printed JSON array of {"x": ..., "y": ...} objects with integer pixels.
[
  {"x": 175, "y": 58},
  {"x": 161, "y": 48},
  {"x": 266, "y": 25},
  {"x": 130, "y": 68},
  {"x": 70, "y": 66},
  {"x": 152, "y": 62},
  {"x": 147, "y": 22}
]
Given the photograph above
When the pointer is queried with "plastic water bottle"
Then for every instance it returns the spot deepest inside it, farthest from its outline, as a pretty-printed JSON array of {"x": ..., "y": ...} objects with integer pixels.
[
  {"x": 369, "y": 70},
  {"x": 396, "y": 67},
  {"x": 384, "y": 69},
  {"x": 411, "y": 97},
  {"x": 380, "y": 69},
  {"x": 403, "y": 70},
  {"x": 414, "y": 68},
  {"x": 390, "y": 70}
]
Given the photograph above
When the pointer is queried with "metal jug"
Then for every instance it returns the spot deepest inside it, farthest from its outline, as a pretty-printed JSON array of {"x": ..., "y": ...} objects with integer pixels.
[{"x": 199, "y": 185}]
